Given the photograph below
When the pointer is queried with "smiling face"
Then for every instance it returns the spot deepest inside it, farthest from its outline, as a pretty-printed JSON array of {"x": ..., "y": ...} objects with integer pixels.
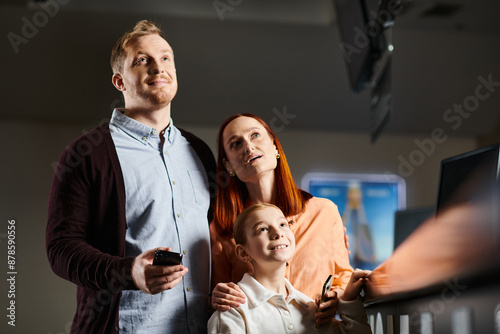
[
  {"x": 268, "y": 238},
  {"x": 148, "y": 79},
  {"x": 249, "y": 149}
]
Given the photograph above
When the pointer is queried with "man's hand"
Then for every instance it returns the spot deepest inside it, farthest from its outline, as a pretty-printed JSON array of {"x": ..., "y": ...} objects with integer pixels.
[
  {"x": 227, "y": 295},
  {"x": 155, "y": 279}
]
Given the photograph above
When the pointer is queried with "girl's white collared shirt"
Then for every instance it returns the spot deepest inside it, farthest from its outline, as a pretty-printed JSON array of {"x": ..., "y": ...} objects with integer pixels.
[{"x": 268, "y": 312}]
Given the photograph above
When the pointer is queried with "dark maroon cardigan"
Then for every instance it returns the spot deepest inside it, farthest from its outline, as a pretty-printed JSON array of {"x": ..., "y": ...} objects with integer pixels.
[{"x": 85, "y": 236}]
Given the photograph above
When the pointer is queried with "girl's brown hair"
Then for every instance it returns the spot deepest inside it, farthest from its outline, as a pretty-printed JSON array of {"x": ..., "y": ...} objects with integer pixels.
[{"x": 241, "y": 221}]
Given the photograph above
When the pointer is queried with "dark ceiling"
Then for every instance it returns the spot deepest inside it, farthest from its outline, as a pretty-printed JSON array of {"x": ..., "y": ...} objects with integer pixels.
[{"x": 264, "y": 57}]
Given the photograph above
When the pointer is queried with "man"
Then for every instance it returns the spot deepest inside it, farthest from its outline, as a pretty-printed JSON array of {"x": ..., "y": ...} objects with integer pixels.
[{"x": 127, "y": 188}]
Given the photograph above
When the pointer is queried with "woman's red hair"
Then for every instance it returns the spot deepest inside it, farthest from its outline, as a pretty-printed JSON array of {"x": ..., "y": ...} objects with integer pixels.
[{"x": 232, "y": 194}]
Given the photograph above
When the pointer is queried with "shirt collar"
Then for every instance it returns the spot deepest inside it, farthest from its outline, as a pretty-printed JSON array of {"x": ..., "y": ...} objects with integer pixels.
[
  {"x": 169, "y": 133},
  {"x": 139, "y": 131},
  {"x": 257, "y": 294}
]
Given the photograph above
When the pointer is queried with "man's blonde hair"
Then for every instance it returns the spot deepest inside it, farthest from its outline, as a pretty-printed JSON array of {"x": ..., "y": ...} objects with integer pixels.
[{"x": 142, "y": 28}]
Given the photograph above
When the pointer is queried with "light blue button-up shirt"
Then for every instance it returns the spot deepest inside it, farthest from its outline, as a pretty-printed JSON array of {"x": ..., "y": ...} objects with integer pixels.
[{"x": 167, "y": 201}]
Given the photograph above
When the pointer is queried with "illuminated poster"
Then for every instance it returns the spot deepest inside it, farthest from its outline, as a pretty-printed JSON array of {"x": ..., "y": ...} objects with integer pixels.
[{"x": 367, "y": 204}]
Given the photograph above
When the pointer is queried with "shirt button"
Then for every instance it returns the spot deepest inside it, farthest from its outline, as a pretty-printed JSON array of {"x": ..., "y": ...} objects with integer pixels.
[
  {"x": 286, "y": 313},
  {"x": 143, "y": 138},
  {"x": 188, "y": 289},
  {"x": 191, "y": 323},
  {"x": 173, "y": 182},
  {"x": 179, "y": 215},
  {"x": 290, "y": 327},
  {"x": 154, "y": 132},
  {"x": 185, "y": 252}
]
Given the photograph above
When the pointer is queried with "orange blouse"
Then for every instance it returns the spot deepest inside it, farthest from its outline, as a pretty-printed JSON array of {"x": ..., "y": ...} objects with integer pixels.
[{"x": 319, "y": 251}]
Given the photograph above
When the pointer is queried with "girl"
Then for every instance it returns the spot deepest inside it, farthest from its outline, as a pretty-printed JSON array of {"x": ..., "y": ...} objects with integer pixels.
[{"x": 264, "y": 240}]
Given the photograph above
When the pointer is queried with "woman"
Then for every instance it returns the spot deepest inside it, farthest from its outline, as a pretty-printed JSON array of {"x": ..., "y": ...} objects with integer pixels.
[{"x": 252, "y": 155}]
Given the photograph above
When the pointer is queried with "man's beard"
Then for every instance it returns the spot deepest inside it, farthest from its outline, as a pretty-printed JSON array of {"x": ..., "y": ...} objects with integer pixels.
[{"x": 159, "y": 99}]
